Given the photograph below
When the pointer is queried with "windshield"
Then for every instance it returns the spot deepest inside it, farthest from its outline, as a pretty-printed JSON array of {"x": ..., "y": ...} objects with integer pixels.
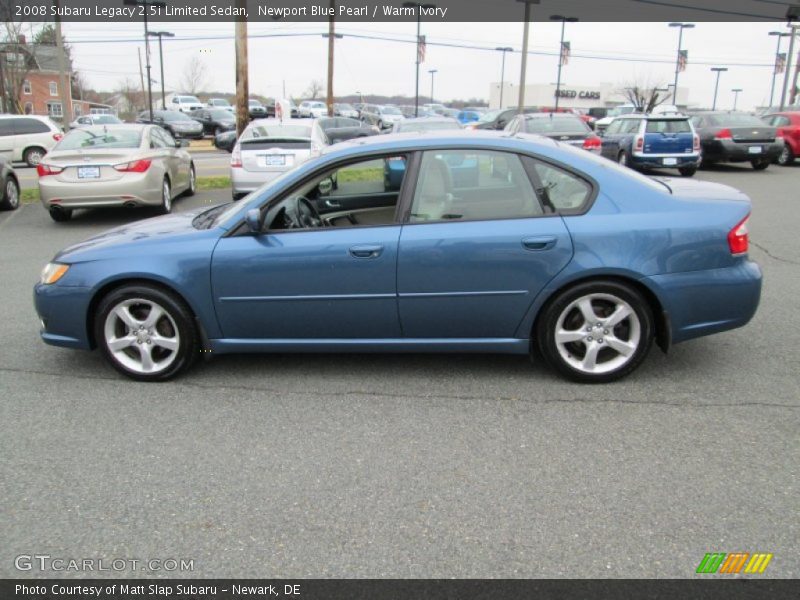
[
  {"x": 219, "y": 102},
  {"x": 278, "y": 130},
  {"x": 79, "y": 139},
  {"x": 187, "y": 99},
  {"x": 172, "y": 115},
  {"x": 421, "y": 126},
  {"x": 390, "y": 110},
  {"x": 221, "y": 113},
  {"x": 490, "y": 116},
  {"x": 105, "y": 120},
  {"x": 553, "y": 125},
  {"x": 734, "y": 120}
]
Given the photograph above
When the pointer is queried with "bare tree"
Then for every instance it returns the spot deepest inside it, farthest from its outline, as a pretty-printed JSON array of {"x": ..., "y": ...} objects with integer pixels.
[
  {"x": 313, "y": 90},
  {"x": 643, "y": 96},
  {"x": 17, "y": 63},
  {"x": 132, "y": 98},
  {"x": 194, "y": 76}
]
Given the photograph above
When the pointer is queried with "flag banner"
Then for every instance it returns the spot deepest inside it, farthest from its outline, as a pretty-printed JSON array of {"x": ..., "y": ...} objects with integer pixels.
[
  {"x": 566, "y": 51},
  {"x": 780, "y": 63},
  {"x": 421, "y": 49},
  {"x": 683, "y": 60}
]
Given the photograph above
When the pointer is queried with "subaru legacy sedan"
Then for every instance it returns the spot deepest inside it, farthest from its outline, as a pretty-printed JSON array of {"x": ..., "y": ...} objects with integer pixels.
[{"x": 568, "y": 255}]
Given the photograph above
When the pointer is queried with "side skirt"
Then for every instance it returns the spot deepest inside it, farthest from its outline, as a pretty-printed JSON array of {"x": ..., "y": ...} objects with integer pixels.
[{"x": 478, "y": 345}]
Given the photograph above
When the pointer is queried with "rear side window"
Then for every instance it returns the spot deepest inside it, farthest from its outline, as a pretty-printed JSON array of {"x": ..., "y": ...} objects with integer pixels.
[
  {"x": 561, "y": 190},
  {"x": 630, "y": 126},
  {"x": 5, "y": 127},
  {"x": 27, "y": 126},
  {"x": 668, "y": 126}
]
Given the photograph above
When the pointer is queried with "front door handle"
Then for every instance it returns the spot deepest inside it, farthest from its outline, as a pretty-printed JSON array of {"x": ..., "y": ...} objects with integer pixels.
[
  {"x": 539, "y": 243},
  {"x": 366, "y": 251},
  {"x": 332, "y": 204}
]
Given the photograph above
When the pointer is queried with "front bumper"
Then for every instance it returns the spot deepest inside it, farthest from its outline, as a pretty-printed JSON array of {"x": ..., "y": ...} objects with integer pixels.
[
  {"x": 700, "y": 303},
  {"x": 730, "y": 151},
  {"x": 62, "y": 311}
]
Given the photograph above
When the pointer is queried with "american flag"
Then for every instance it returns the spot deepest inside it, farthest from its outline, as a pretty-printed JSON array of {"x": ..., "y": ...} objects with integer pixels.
[
  {"x": 421, "y": 49},
  {"x": 780, "y": 63},
  {"x": 566, "y": 51},
  {"x": 683, "y": 60}
]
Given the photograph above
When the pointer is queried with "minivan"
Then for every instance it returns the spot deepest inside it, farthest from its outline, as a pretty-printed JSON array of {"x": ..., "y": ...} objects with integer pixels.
[{"x": 27, "y": 138}]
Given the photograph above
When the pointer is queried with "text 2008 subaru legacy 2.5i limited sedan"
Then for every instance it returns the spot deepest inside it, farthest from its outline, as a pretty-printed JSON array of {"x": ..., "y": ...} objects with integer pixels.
[{"x": 541, "y": 247}]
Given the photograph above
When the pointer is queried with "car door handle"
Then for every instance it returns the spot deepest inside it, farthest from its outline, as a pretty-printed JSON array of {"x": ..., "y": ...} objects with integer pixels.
[
  {"x": 539, "y": 243},
  {"x": 332, "y": 204},
  {"x": 366, "y": 251}
]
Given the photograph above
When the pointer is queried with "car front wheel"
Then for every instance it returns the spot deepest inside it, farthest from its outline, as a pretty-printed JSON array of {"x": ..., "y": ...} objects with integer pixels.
[
  {"x": 146, "y": 333},
  {"x": 10, "y": 197},
  {"x": 596, "y": 332}
]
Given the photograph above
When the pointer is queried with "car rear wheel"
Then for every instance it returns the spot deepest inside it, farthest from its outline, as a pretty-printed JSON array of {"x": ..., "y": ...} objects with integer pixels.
[
  {"x": 596, "y": 332},
  {"x": 33, "y": 156},
  {"x": 623, "y": 159},
  {"x": 146, "y": 333},
  {"x": 760, "y": 164},
  {"x": 10, "y": 198},
  {"x": 60, "y": 215},
  {"x": 687, "y": 171},
  {"x": 166, "y": 198},
  {"x": 786, "y": 156}
]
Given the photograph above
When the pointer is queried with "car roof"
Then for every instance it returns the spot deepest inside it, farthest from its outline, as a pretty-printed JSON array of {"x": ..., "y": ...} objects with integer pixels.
[
  {"x": 430, "y": 119},
  {"x": 659, "y": 117},
  {"x": 551, "y": 115}
]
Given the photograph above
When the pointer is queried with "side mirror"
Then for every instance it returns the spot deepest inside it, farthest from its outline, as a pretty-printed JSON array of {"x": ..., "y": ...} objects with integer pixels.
[
  {"x": 254, "y": 220},
  {"x": 325, "y": 186}
]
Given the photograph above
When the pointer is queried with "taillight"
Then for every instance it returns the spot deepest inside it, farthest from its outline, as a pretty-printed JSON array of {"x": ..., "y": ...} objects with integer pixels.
[
  {"x": 592, "y": 143},
  {"x": 43, "y": 170},
  {"x": 639, "y": 144},
  {"x": 236, "y": 157},
  {"x": 739, "y": 237},
  {"x": 723, "y": 134},
  {"x": 696, "y": 144},
  {"x": 136, "y": 166},
  {"x": 57, "y": 136}
]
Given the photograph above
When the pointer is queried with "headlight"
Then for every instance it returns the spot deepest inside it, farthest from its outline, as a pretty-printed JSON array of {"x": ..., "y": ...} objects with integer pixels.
[{"x": 52, "y": 272}]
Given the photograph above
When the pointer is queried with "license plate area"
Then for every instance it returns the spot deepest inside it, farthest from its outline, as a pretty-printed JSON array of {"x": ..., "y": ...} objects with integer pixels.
[
  {"x": 755, "y": 150},
  {"x": 88, "y": 172},
  {"x": 272, "y": 160},
  {"x": 670, "y": 162}
]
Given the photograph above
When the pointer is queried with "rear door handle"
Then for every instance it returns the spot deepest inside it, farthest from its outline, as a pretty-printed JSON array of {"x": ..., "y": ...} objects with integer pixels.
[
  {"x": 366, "y": 251},
  {"x": 539, "y": 243}
]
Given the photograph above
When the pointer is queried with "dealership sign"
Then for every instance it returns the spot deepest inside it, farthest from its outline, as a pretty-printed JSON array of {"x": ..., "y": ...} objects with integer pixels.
[{"x": 582, "y": 94}]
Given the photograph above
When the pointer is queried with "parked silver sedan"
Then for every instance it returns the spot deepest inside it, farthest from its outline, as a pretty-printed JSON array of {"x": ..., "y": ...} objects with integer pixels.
[{"x": 114, "y": 165}]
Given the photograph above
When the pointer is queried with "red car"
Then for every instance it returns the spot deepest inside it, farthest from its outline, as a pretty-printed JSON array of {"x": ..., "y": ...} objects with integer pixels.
[{"x": 788, "y": 124}]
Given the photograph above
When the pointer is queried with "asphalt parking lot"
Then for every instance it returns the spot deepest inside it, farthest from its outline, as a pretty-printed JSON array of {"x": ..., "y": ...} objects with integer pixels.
[{"x": 406, "y": 466}]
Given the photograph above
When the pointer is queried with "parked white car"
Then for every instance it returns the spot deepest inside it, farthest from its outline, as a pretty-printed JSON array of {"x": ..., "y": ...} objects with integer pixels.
[
  {"x": 220, "y": 103},
  {"x": 311, "y": 108},
  {"x": 87, "y": 120},
  {"x": 185, "y": 104},
  {"x": 27, "y": 138},
  {"x": 624, "y": 109}
]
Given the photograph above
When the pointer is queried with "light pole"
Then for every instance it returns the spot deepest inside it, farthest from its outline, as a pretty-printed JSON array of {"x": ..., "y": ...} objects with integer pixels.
[
  {"x": 432, "y": 72},
  {"x": 718, "y": 71},
  {"x": 503, "y": 49},
  {"x": 524, "y": 62},
  {"x": 147, "y": 4},
  {"x": 780, "y": 35},
  {"x": 681, "y": 27},
  {"x": 736, "y": 96},
  {"x": 417, "y": 6},
  {"x": 159, "y": 35},
  {"x": 789, "y": 64},
  {"x": 564, "y": 21},
  {"x": 331, "y": 36}
]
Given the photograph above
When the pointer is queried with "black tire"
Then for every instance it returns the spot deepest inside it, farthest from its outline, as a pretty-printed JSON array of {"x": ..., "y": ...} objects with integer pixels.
[
  {"x": 760, "y": 164},
  {"x": 192, "y": 189},
  {"x": 687, "y": 171},
  {"x": 560, "y": 307},
  {"x": 188, "y": 338},
  {"x": 10, "y": 194},
  {"x": 33, "y": 156},
  {"x": 60, "y": 215},
  {"x": 786, "y": 157},
  {"x": 218, "y": 130},
  {"x": 623, "y": 159},
  {"x": 165, "y": 207}
]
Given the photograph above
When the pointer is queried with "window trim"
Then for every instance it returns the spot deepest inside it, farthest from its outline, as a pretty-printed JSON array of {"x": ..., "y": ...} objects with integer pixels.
[
  {"x": 571, "y": 212},
  {"x": 51, "y": 113},
  {"x": 53, "y": 85},
  {"x": 27, "y": 87}
]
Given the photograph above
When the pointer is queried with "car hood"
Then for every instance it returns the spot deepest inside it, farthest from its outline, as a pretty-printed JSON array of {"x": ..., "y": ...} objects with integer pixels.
[{"x": 153, "y": 232}]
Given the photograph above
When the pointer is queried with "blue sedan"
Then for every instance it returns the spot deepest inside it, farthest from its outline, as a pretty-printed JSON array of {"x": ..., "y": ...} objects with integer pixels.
[{"x": 546, "y": 249}]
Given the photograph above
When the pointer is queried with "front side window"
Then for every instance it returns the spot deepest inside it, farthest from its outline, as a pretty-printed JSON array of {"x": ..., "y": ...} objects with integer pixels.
[
  {"x": 614, "y": 127},
  {"x": 53, "y": 88},
  {"x": 562, "y": 190},
  {"x": 468, "y": 185}
]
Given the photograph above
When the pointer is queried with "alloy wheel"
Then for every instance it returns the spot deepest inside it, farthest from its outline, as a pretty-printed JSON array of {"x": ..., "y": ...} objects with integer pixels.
[{"x": 12, "y": 194}]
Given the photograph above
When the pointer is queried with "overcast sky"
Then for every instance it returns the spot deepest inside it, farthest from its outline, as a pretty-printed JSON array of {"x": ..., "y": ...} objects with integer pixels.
[{"x": 382, "y": 67}]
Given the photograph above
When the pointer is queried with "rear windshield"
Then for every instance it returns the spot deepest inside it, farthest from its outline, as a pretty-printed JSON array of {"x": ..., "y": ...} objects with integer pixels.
[
  {"x": 549, "y": 125},
  {"x": 281, "y": 131},
  {"x": 172, "y": 115},
  {"x": 668, "y": 126},
  {"x": 734, "y": 120},
  {"x": 78, "y": 139}
]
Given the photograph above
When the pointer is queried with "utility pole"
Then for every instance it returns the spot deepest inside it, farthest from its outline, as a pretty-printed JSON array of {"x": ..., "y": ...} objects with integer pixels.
[
  {"x": 524, "y": 67},
  {"x": 141, "y": 73},
  {"x": 789, "y": 61},
  {"x": 242, "y": 84},
  {"x": 331, "y": 39},
  {"x": 66, "y": 92},
  {"x": 564, "y": 21},
  {"x": 681, "y": 27},
  {"x": 159, "y": 35},
  {"x": 147, "y": 4},
  {"x": 503, "y": 49},
  {"x": 2, "y": 83},
  {"x": 796, "y": 68}
]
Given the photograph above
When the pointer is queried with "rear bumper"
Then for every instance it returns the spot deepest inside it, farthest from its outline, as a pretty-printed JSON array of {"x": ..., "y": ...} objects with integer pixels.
[
  {"x": 730, "y": 151},
  {"x": 704, "y": 302},
  {"x": 140, "y": 189},
  {"x": 658, "y": 161},
  {"x": 244, "y": 182}
]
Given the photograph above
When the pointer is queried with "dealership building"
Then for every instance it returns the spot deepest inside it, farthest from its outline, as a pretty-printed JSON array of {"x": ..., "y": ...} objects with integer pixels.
[{"x": 606, "y": 95}]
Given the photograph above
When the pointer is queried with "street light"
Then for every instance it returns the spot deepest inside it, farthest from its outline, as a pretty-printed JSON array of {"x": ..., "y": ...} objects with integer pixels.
[
  {"x": 736, "y": 96},
  {"x": 432, "y": 72},
  {"x": 718, "y": 71},
  {"x": 564, "y": 21},
  {"x": 681, "y": 27},
  {"x": 523, "y": 67},
  {"x": 503, "y": 49},
  {"x": 159, "y": 35},
  {"x": 417, "y": 6},
  {"x": 790, "y": 58},
  {"x": 147, "y": 4},
  {"x": 780, "y": 35}
]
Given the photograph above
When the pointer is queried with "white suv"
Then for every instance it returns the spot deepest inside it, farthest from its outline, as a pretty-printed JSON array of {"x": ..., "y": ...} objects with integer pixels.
[
  {"x": 185, "y": 104},
  {"x": 27, "y": 138}
]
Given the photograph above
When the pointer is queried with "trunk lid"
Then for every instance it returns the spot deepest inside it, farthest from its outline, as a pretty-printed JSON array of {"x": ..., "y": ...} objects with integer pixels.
[{"x": 274, "y": 154}]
